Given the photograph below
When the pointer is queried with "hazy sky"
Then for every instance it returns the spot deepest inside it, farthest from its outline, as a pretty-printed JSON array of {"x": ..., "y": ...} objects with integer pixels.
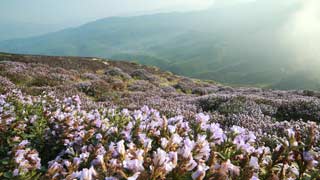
[
  {"x": 75, "y": 11},
  {"x": 81, "y": 11},
  {"x": 302, "y": 31}
]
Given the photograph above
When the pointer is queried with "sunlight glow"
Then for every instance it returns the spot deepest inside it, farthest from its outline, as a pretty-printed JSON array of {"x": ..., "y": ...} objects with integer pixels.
[{"x": 302, "y": 31}]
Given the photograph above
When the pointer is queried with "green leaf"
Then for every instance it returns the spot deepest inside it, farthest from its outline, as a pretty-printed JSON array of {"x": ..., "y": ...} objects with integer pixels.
[
  {"x": 4, "y": 162},
  {"x": 221, "y": 156},
  {"x": 7, "y": 175}
]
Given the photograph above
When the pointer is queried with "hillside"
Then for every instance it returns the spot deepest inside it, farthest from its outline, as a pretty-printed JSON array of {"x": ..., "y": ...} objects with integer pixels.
[
  {"x": 90, "y": 118},
  {"x": 131, "y": 85},
  {"x": 240, "y": 44}
]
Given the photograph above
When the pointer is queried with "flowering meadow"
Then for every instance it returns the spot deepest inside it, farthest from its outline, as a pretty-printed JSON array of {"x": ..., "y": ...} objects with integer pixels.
[
  {"x": 87, "y": 119},
  {"x": 42, "y": 137}
]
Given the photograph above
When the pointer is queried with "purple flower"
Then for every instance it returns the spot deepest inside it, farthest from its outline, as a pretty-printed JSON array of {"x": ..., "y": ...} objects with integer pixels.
[
  {"x": 186, "y": 150},
  {"x": 164, "y": 142},
  {"x": 111, "y": 178},
  {"x": 159, "y": 157},
  {"x": 237, "y": 130},
  {"x": 232, "y": 168},
  {"x": 134, "y": 165},
  {"x": 98, "y": 123},
  {"x": 77, "y": 161},
  {"x": 137, "y": 114},
  {"x": 125, "y": 112},
  {"x": 147, "y": 142},
  {"x": 307, "y": 156},
  {"x": 16, "y": 172},
  {"x": 254, "y": 162},
  {"x": 164, "y": 160},
  {"x": 176, "y": 139},
  {"x": 191, "y": 164},
  {"x": 204, "y": 151},
  {"x": 172, "y": 129},
  {"x": 202, "y": 119},
  {"x": 291, "y": 133},
  {"x": 201, "y": 172},
  {"x": 98, "y": 136},
  {"x": 254, "y": 177},
  {"x": 120, "y": 148},
  {"x": 87, "y": 174},
  {"x": 217, "y": 133},
  {"x": 24, "y": 142}
]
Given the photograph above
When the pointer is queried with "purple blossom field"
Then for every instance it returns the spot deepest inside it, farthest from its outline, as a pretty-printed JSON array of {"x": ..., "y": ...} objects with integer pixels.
[{"x": 87, "y": 119}]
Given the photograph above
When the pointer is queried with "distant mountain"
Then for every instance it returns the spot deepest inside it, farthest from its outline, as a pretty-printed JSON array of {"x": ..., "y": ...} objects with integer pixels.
[{"x": 237, "y": 44}]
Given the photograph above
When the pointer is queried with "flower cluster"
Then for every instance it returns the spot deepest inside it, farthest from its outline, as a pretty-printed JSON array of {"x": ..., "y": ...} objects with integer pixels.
[
  {"x": 44, "y": 137},
  {"x": 26, "y": 159}
]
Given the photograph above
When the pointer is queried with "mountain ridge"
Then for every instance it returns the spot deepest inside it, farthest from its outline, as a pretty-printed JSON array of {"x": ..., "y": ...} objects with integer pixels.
[{"x": 234, "y": 49}]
